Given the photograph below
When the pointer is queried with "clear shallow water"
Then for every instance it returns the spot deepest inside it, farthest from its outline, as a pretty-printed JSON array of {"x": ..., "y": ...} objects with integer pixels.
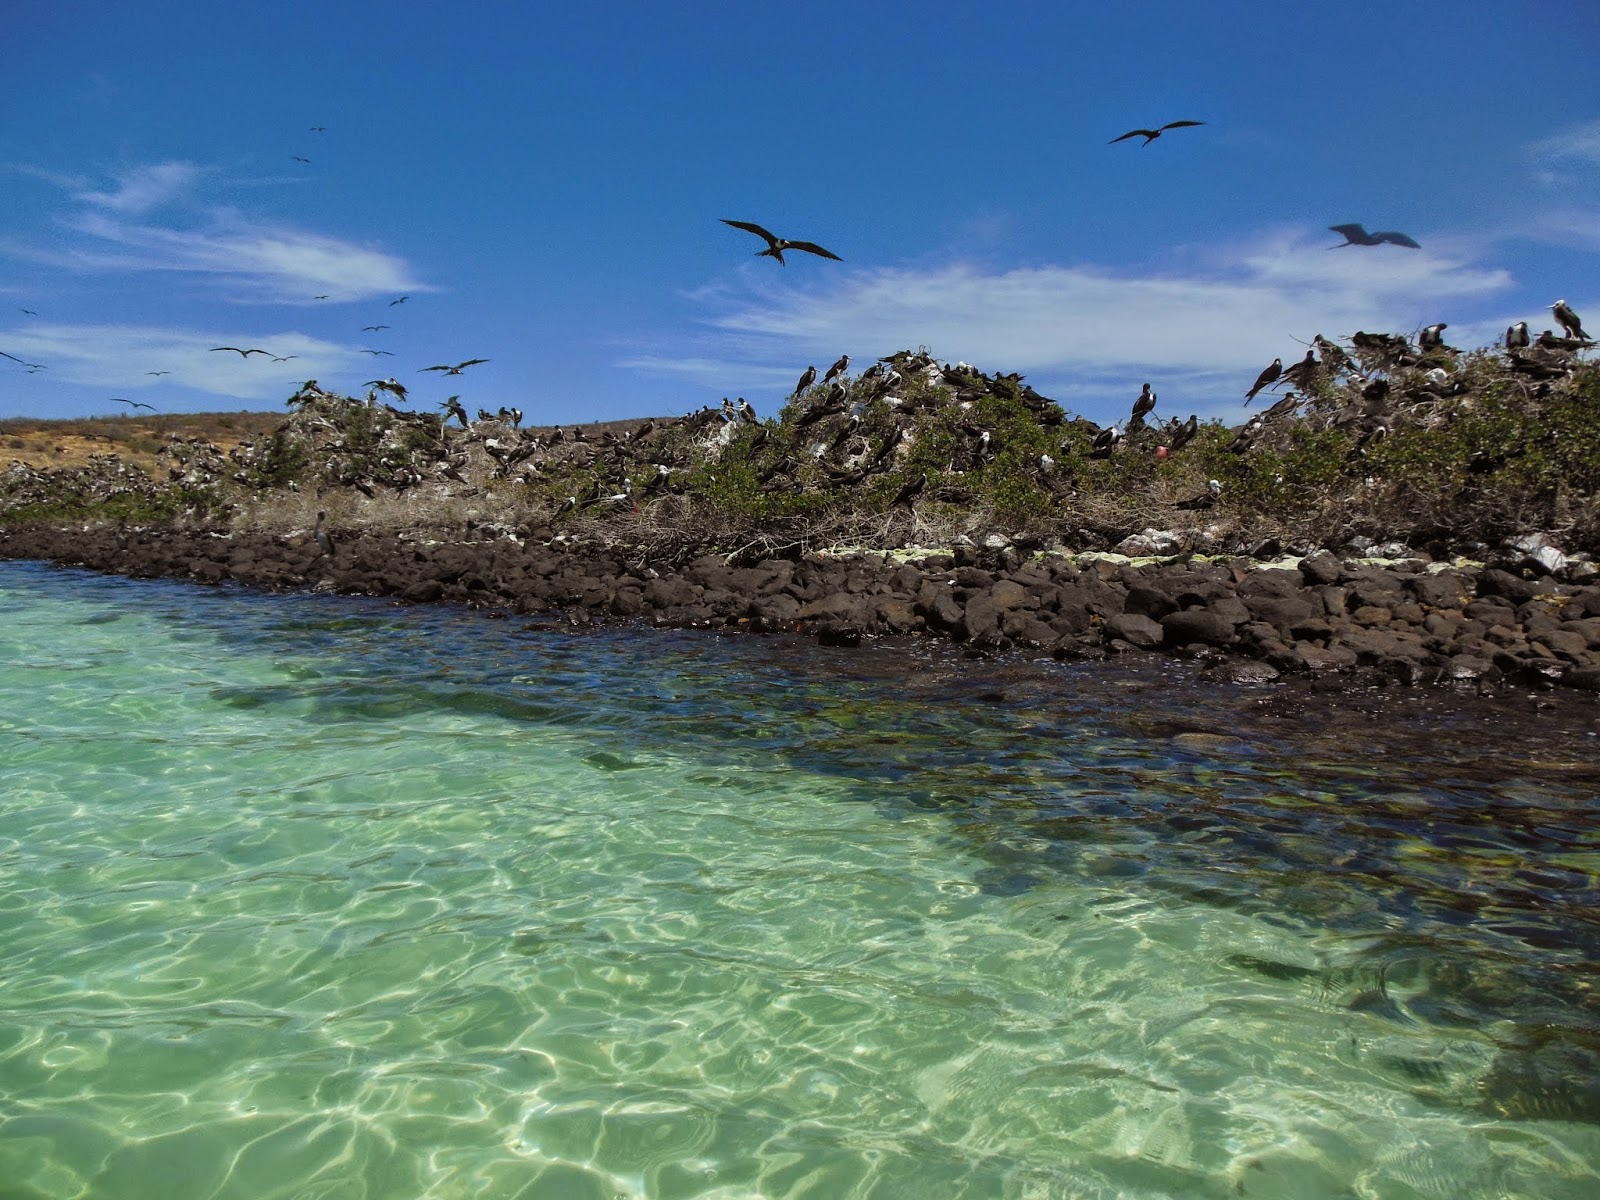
[{"x": 315, "y": 897}]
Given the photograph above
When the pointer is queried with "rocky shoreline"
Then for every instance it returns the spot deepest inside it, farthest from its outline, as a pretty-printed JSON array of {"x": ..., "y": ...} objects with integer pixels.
[{"x": 1508, "y": 623}]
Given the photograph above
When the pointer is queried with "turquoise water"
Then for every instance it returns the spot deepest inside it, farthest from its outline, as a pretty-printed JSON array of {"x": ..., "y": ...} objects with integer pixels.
[{"x": 318, "y": 897}]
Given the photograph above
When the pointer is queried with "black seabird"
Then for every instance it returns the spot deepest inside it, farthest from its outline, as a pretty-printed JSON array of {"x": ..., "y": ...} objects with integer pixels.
[
  {"x": 1205, "y": 499},
  {"x": 777, "y": 245},
  {"x": 1355, "y": 235},
  {"x": 401, "y": 300},
  {"x": 158, "y": 373},
  {"x": 806, "y": 381},
  {"x": 373, "y": 328},
  {"x": 838, "y": 368},
  {"x": 1263, "y": 379},
  {"x": 1432, "y": 336},
  {"x": 1517, "y": 336},
  {"x": 241, "y": 353},
  {"x": 458, "y": 368},
  {"x": 1151, "y": 135},
  {"x": 1145, "y": 404},
  {"x": 1568, "y": 320},
  {"x": 134, "y": 403},
  {"x": 392, "y": 386},
  {"x": 910, "y": 491}
]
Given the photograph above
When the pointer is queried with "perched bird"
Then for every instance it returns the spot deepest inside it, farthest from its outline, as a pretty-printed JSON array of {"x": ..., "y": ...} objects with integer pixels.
[
  {"x": 458, "y": 368},
  {"x": 132, "y": 403},
  {"x": 1266, "y": 377},
  {"x": 1432, "y": 336},
  {"x": 1517, "y": 336},
  {"x": 1105, "y": 442},
  {"x": 910, "y": 491},
  {"x": 747, "y": 413},
  {"x": 838, "y": 368},
  {"x": 1301, "y": 370},
  {"x": 806, "y": 381},
  {"x": 452, "y": 407},
  {"x": 1355, "y": 235},
  {"x": 1145, "y": 404},
  {"x": 1150, "y": 135},
  {"x": 1568, "y": 320},
  {"x": 239, "y": 352},
  {"x": 777, "y": 245},
  {"x": 324, "y": 542},
  {"x": 1205, "y": 499}
]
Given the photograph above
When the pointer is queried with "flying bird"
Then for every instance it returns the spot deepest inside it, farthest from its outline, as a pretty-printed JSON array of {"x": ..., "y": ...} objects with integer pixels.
[
  {"x": 158, "y": 373},
  {"x": 373, "y": 328},
  {"x": 1150, "y": 135},
  {"x": 458, "y": 368},
  {"x": 777, "y": 245},
  {"x": 133, "y": 403},
  {"x": 1568, "y": 320},
  {"x": 324, "y": 296},
  {"x": 319, "y": 129},
  {"x": 375, "y": 353},
  {"x": 283, "y": 357},
  {"x": 241, "y": 353},
  {"x": 1355, "y": 235},
  {"x": 12, "y": 357},
  {"x": 389, "y": 385},
  {"x": 1263, "y": 379},
  {"x": 29, "y": 311},
  {"x": 402, "y": 300},
  {"x": 298, "y": 159}
]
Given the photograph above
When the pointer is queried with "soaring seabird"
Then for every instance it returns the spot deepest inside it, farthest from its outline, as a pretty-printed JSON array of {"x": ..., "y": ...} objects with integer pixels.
[
  {"x": 838, "y": 368},
  {"x": 777, "y": 245},
  {"x": 401, "y": 300},
  {"x": 458, "y": 368},
  {"x": 158, "y": 373},
  {"x": 1145, "y": 404},
  {"x": 297, "y": 158},
  {"x": 241, "y": 353},
  {"x": 1569, "y": 320},
  {"x": 1263, "y": 379},
  {"x": 806, "y": 381},
  {"x": 373, "y": 328},
  {"x": 1517, "y": 336},
  {"x": 1355, "y": 235},
  {"x": 134, "y": 403},
  {"x": 1151, "y": 135}
]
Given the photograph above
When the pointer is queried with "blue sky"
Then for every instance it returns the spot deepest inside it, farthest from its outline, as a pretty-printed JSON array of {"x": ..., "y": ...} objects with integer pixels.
[{"x": 544, "y": 183}]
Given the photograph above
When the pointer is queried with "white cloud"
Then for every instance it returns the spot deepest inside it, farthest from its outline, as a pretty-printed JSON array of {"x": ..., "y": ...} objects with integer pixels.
[
  {"x": 144, "y": 188},
  {"x": 1204, "y": 326},
  {"x": 1579, "y": 143},
  {"x": 120, "y": 357},
  {"x": 261, "y": 262}
]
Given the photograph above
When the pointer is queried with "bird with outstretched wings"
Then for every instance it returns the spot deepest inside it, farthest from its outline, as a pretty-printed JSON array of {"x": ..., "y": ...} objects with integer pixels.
[
  {"x": 1150, "y": 135},
  {"x": 777, "y": 245},
  {"x": 1356, "y": 235}
]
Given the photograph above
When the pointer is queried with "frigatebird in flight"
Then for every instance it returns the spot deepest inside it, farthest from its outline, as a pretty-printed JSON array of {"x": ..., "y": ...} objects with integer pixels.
[
  {"x": 284, "y": 357},
  {"x": 319, "y": 129},
  {"x": 373, "y": 328},
  {"x": 241, "y": 353},
  {"x": 1355, "y": 235},
  {"x": 30, "y": 312},
  {"x": 375, "y": 353},
  {"x": 134, "y": 403},
  {"x": 388, "y": 385},
  {"x": 458, "y": 368},
  {"x": 298, "y": 159},
  {"x": 402, "y": 300},
  {"x": 158, "y": 373},
  {"x": 1150, "y": 135},
  {"x": 777, "y": 245},
  {"x": 12, "y": 357}
]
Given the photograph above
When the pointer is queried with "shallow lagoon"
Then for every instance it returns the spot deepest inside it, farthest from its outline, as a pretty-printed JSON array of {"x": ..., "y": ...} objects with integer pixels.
[{"x": 318, "y": 897}]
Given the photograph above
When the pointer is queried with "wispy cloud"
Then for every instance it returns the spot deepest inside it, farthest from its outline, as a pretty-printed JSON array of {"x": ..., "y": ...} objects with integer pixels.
[
  {"x": 117, "y": 230},
  {"x": 144, "y": 188},
  {"x": 1208, "y": 323},
  {"x": 121, "y": 357},
  {"x": 1580, "y": 143}
]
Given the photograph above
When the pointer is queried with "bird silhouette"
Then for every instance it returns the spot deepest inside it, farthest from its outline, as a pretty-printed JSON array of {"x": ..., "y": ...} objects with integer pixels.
[
  {"x": 158, "y": 373},
  {"x": 392, "y": 386},
  {"x": 12, "y": 357},
  {"x": 1568, "y": 320},
  {"x": 806, "y": 381},
  {"x": 1145, "y": 404},
  {"x": 1151, "y": 135},
  {"x": 458, "y": 368},
  {"x": 1263, "y": 379},
  {"x": 375, "y": 353},
  {"x": 373, "y": 328},
  {"x": 283, "y": 357},
  {"x": 1355, "y": 235},
  {"x": 133, "y": 403},
  {"x": 401, "y": 300},
  {"x": 29, "y": 311},
  {"x": 1517, "y": 336},
  {"x": 241, "y": 353},
  {"x": 319, "y": 129},
  {"x": 777, "y": 245},
  {"x": 298, "y": 159}
]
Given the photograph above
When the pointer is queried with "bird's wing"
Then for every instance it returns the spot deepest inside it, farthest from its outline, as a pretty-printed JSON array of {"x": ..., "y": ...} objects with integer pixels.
[
  {"x": 1145, "y": 133},
  {"x": 471, "y": 362},
  {"x": 1399, "y": 239},
  {"x": 1181, "y": 124},
  {"x": 120, "y": 400},
  {"x": 751, "y": 227},
  {"x": 1350, "y": 231},
  {"x": 438, "y": 368},
  {"x": 12, "y": 357},
  {"x": 214, "y": 349},
  {"x": 813, "y": 248}
]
